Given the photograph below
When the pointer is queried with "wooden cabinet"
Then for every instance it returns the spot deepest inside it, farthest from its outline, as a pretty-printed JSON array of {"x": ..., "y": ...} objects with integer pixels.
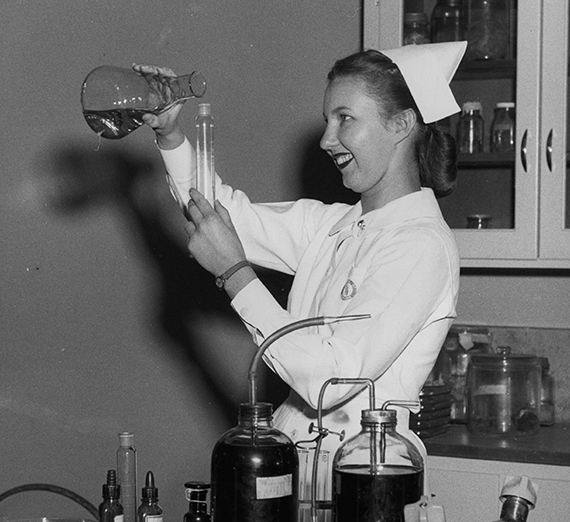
[
  {"x": 469, "y": 489},
  {"x": 527, "y": 192}
]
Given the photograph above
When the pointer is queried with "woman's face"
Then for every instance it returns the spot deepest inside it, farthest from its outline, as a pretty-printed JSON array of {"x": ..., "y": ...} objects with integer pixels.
[{"x": 359, "y": 140}]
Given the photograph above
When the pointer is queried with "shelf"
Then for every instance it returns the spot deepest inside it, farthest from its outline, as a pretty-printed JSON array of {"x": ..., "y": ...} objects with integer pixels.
[
  {"x": 486, "y": 160},
  {"x": 486, "y": 70}
]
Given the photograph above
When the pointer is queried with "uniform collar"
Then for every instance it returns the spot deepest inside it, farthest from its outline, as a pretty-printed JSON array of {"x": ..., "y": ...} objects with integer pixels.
[{"x": 419, "y": 204}]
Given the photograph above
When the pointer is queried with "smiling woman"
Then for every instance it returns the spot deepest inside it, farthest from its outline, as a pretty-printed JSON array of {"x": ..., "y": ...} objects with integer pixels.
[{"x": 390, "y": 256}]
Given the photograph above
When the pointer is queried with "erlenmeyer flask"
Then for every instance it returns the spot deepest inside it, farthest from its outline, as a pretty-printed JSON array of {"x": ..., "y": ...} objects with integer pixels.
[{"x": 114, "y": 99}]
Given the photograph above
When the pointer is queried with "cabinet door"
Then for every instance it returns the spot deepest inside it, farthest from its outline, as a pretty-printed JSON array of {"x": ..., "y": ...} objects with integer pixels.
[
  {"x": 504, "y": 186},
  {"x": 554, "y": 181}
]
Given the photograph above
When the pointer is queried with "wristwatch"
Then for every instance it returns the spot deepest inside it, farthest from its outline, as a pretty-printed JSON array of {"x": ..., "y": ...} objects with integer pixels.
[{"x": 223, "y": 278}]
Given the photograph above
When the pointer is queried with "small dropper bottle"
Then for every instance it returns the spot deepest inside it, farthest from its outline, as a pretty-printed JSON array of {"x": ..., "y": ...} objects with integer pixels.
[
  {"x": 149, "y": 510},
  {"x": 111, "y": 509}
]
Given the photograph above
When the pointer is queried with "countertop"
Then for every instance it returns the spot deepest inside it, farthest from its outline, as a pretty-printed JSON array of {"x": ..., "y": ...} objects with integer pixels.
[{"x": 551, "y": 446}]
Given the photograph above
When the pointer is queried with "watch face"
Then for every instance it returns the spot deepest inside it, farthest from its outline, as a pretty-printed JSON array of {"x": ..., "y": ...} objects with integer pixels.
[{"x": 220, "y": 282}]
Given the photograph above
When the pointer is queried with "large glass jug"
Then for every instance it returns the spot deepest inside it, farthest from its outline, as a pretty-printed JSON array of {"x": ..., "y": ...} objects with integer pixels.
[
  {"x": 255, "y": 470},
  {"x": 114, "y": 99},
  {"x": 377, "y": 472}
]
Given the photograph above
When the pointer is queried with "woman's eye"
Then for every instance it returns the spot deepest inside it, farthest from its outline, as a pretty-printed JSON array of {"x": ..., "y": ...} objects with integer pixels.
[{"x": 344, "y": 117}]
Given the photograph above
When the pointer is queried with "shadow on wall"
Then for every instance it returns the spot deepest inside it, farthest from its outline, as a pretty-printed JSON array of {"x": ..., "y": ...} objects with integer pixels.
[{"x": 82, "y": 179}]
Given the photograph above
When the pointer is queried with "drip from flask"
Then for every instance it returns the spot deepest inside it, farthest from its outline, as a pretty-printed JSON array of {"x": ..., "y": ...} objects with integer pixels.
[{"x": 114, "y": 99}]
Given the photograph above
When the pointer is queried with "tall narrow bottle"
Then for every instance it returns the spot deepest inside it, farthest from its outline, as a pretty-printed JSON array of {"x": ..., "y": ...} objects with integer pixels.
[
  {"x": 127, "y": 475},
  {"x": 149, "y": 510},
  {"x": 111, "y": 509},
  {"x": 205, "y": 152}
]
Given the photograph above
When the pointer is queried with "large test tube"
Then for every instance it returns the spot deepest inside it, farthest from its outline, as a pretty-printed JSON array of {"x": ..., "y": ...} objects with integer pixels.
[{"x": 205, "y": 152}]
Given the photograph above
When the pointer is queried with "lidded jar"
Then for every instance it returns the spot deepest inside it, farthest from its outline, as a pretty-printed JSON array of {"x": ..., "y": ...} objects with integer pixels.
[
  {"x": 503, "y": 394},
  {"x": 503, "y": 127},
  {"x": 255, "y": 470},
  {"x": 447, "y": 21},
  {"x": 377, "y": 472}
]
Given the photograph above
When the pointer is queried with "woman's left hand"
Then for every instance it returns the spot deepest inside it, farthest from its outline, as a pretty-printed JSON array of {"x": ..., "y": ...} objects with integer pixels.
[{"x": 212, "y": 238}]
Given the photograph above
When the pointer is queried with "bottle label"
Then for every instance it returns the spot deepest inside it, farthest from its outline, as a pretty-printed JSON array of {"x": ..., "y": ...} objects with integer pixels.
[
  {"x": 274, "y": 487},
  {"x": 119, "y": 518},
  {"x": 153, "y": 518}
]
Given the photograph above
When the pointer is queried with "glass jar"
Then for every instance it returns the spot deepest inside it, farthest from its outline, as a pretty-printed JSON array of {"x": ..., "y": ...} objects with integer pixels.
[
  {"x": 416, "y": 29},
  {"x": 447, "y": 21},
  {"x": 487, "y": 29},
  {"x": 479, "y": 221},
  {"x": 470, "y": 129},
  {"x": 503, "y": 127},
  {"x": 503, "y": 394},
  {"x": 461, "y": 343},
  {"x": 255, "y": 470},
  {"x": 546, "y": 394},
  {"x": 377, "y": 472}
]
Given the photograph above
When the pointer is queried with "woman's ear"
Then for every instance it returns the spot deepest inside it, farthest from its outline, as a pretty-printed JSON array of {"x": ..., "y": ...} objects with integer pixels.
[{"x": 405, "y": 123}]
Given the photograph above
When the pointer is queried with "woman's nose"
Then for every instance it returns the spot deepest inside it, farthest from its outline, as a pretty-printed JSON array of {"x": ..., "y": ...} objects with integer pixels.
[{"x": 328, "y": 139}]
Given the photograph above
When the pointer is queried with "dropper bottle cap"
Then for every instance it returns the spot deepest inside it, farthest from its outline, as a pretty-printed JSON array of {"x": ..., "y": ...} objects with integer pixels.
[
  {"x": 150, "y": 492},
  {"x": 204, "y": 109},
  {"x": 521, "y": 487},
  {"x": 111, "y": 489}
]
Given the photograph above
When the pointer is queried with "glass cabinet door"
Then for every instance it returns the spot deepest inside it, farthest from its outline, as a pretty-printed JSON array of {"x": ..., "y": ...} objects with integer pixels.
[
  {"x": 494, "y": 210},
  {"x": 554, "y": 176}
]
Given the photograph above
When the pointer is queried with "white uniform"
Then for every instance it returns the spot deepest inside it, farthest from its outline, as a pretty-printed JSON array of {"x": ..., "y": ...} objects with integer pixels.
[{"x": 398, "y": 263}]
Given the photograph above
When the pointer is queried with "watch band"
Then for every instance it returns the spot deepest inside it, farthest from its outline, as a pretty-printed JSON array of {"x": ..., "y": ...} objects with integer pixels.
[{"x": 222, "y": 279}]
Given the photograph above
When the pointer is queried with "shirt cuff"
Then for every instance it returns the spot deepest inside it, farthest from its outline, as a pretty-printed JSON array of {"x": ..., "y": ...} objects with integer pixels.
[
  {"x": 180, "y": 167},
  {"x": 257, "y": 307}
]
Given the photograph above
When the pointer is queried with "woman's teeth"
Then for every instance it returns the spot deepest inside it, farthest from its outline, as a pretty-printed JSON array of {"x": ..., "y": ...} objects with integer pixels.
[{"x": 343, "y": 160}]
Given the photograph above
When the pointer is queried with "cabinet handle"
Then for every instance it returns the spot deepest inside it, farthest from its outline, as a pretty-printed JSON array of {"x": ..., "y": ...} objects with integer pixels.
[
  {"x": 523, "y": 150},
  {"x": 549, "y": 151}
]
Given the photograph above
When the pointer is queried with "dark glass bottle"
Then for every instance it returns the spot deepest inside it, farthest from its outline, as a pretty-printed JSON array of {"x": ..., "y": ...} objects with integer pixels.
[
  {"x": 197, "y": 496},
  {"x": 519, "y": 497},
  {"x": 255, "y": 471},
  {"x": 447, "y": 21},
  {"x": 149, "y": 509},
  {"x": 111, "y": 509}
]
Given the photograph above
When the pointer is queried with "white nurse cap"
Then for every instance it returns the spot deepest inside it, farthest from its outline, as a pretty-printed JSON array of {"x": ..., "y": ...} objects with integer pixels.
[{"x": 428, "y": 70}]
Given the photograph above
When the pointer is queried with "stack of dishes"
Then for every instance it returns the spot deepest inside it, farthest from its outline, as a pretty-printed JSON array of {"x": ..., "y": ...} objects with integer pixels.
[{"x": 434, "y": 416}]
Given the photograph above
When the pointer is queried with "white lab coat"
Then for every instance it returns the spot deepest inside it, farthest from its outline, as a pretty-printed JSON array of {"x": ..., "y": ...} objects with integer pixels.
[{"x": 398, "y": 263}]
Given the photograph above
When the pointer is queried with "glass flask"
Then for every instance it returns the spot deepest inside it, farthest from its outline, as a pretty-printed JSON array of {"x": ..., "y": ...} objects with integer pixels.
[
  {"x": 377, "y": 472},
  {"x": 114, "y": 99},
  {"x": 503, "y": 127},
  {"x": 255, "y": 470},
  {"x": 503, "y": 394},
  {"x": 197, "y": 497}
]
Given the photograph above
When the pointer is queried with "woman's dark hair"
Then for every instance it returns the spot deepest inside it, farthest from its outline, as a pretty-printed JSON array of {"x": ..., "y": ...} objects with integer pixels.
[{"x": 436, "y": 154}]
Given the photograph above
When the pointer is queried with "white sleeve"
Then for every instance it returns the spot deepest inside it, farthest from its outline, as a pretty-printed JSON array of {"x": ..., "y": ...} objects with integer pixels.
[{"x": 180, "y": 166}]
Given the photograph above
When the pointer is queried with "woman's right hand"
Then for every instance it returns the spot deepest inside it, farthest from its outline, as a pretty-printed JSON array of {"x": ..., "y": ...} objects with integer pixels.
[{"x": 166, "y": 126}]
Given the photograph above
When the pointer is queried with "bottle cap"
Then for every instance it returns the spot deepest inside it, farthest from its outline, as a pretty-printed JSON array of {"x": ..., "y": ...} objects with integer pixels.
[
  {"x": 415, "y": 17},
  {"x": 521, "y": 487},
  {"x": 472, "y": 106},
  {"x": 505, "y": 105},
  {"x": 126, "y": 438},
  {"x": 150, "y": 491},
  {"x": 204, "y": 109}
]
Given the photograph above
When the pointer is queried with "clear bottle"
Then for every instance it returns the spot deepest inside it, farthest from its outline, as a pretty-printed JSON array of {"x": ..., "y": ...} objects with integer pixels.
[
  {"x": 111, "y": 509},
  {"x": 205, "y": 180},
  {"x": 447, "y": 21},
  {"x": 547, "y": 415},
  {"x": 149, "y": 509},
  {"x": 127, "y": 475},
  {"x": 255, "y": 470},
  {"x": 416, "y": 29},
  {"x": 503, "y": 127},
  {"x": 197, "y": 497},
  {"x": 471, "y": 129},
  {"x": 488, "y": 29},
  {"x": 377, "y": 472},
  {"x": 114, "y": 99},
  {"x": 519, "y": 497}
]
